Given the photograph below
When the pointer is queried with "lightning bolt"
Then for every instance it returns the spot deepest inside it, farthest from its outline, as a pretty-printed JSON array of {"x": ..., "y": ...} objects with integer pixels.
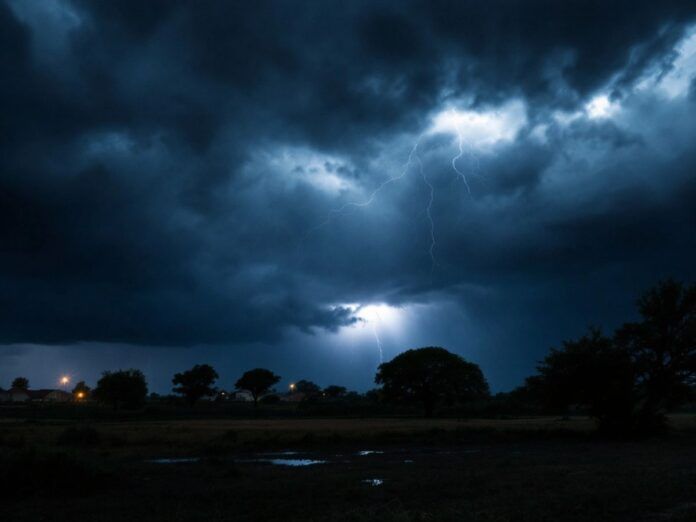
[
  {"x": 428, "y": 212},
  {"x": 460, "y": 174},
  {"x": 376, "y": 333},
  {"x": 459, "y": 155},
  {"x": 413, "y": 157},
  {"x": 368, "y": 201}
]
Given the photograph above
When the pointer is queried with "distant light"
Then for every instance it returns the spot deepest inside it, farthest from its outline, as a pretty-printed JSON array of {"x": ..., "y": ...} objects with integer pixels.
[
  {"x": 292, "y": 386},
  {"x": 64, "y": 380},
  {"x": 80, "y": 395}
]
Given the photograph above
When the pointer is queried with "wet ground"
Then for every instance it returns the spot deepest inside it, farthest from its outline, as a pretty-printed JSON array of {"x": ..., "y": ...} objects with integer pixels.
[
  {"x": 295, "y": 458},
  {"x": 152, "y": 473}
]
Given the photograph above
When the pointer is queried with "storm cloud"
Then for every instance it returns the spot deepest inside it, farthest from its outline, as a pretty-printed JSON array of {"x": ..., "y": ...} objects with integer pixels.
[{"x": 252, "y": 176}]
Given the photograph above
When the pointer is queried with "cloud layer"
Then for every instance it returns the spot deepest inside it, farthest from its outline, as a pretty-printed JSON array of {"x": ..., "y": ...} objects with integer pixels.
[{"x": 178, "y": 174}]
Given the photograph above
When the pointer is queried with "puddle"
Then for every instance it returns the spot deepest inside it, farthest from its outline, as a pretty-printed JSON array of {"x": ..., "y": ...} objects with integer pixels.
[
  {"x": 291, "y": 462},
  {"x": 373, "y": 482},
  {"x": 282, "y": 453},
  {"x": 408, "y": 461},
  {"x": 369, "y": 452},
  {"x": 187, "y": 460}
]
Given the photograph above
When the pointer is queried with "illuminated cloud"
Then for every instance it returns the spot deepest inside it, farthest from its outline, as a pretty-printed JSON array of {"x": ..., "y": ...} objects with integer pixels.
[
  {"x": 601, "y": 107},
  {"x": 170, "y": 178},
  {"x": 676, "y": 80},
  {"x": 481, "y": 129},
  {"x": 302, "y": 165}
]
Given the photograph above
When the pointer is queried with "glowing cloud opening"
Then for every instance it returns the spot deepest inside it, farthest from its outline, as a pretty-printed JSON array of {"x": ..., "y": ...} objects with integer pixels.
[
  {"x": 601, "y": 107},
  {"x": 374, "y": 321},
  {"x": 482, "y": 129}
]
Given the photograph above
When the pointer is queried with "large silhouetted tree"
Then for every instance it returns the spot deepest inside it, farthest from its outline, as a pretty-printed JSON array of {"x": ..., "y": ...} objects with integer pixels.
[
  {"x": 257, "y": 382},
  {"x": 196, "y": 382},
  {"x": 123, "y": 388},
  {"x": 629, "y": 382},
  {"x": 431, "y": 375},
  {"x": 592, "y": 373},
  {"x": 20, "y": 383},
  {"x": 662, "y": 346}
]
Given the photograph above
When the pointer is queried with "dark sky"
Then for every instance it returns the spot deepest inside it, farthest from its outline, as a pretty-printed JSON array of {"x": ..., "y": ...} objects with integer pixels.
[{"x": 310, "y": 186}]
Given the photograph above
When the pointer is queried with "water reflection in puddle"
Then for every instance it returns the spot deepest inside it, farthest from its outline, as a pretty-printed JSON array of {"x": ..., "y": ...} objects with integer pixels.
[
  {"x": 369, "y": 452},
  {"x": 291, "y": 462},
  {"x": 373, "y": 482},
  {"x": 186, "y": 460}
]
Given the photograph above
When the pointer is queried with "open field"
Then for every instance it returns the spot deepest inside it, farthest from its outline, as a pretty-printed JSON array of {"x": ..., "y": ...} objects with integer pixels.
[
  {"x": 185, "y": 434},
  {"x": 409, "y": 469}
]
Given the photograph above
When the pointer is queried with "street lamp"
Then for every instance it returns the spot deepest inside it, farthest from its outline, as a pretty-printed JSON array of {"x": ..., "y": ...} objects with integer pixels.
[
  {"x": 292, "y": 386},
  {"x": 65, "y": 380}
]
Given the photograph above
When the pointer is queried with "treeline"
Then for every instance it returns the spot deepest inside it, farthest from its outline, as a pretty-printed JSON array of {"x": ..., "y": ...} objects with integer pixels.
[
  {"x": 627, "y": 381},
  {"x": 631, "y": 379}
]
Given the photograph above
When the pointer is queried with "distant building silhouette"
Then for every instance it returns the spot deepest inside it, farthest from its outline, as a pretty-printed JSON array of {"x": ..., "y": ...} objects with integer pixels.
[{"x": 43, "y": 395}]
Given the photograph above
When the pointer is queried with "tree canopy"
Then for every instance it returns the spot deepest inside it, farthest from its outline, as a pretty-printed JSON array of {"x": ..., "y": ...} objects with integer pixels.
[
  {"x": 591, "y": 373},
  {"x": 257, "y": 382},
  {"x": 662, "y": 346},
  {"x": 631, "y": 380},
  {"x": 123, "y": 388},
  {"x": 196, "y": 383},
  {"x": 431, "y": 375},
  {"x": 21, "y": 383}
]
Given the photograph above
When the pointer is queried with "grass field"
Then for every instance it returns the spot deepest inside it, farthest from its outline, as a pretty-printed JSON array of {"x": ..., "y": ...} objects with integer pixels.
[{"x": 544, "y": 469}]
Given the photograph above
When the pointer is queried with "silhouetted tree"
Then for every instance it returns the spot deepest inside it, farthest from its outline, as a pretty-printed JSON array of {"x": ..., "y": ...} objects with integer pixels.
[
  {"x": 81, "y": 391},
  {"x": 196, "y": 382},
  {"x": 310, "y": 389},
  {"x": 257, "y": 382},
  {"x": 374, "y": 395},
  {"x": 592, "y": 373},
  {"x": 123, "y": 388},
  {"x": 663, "y": 349},
  {"x": 335, "y": 392},
  {"x": 21, "y": 383},
  {"x": 430, "y": 375}
]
